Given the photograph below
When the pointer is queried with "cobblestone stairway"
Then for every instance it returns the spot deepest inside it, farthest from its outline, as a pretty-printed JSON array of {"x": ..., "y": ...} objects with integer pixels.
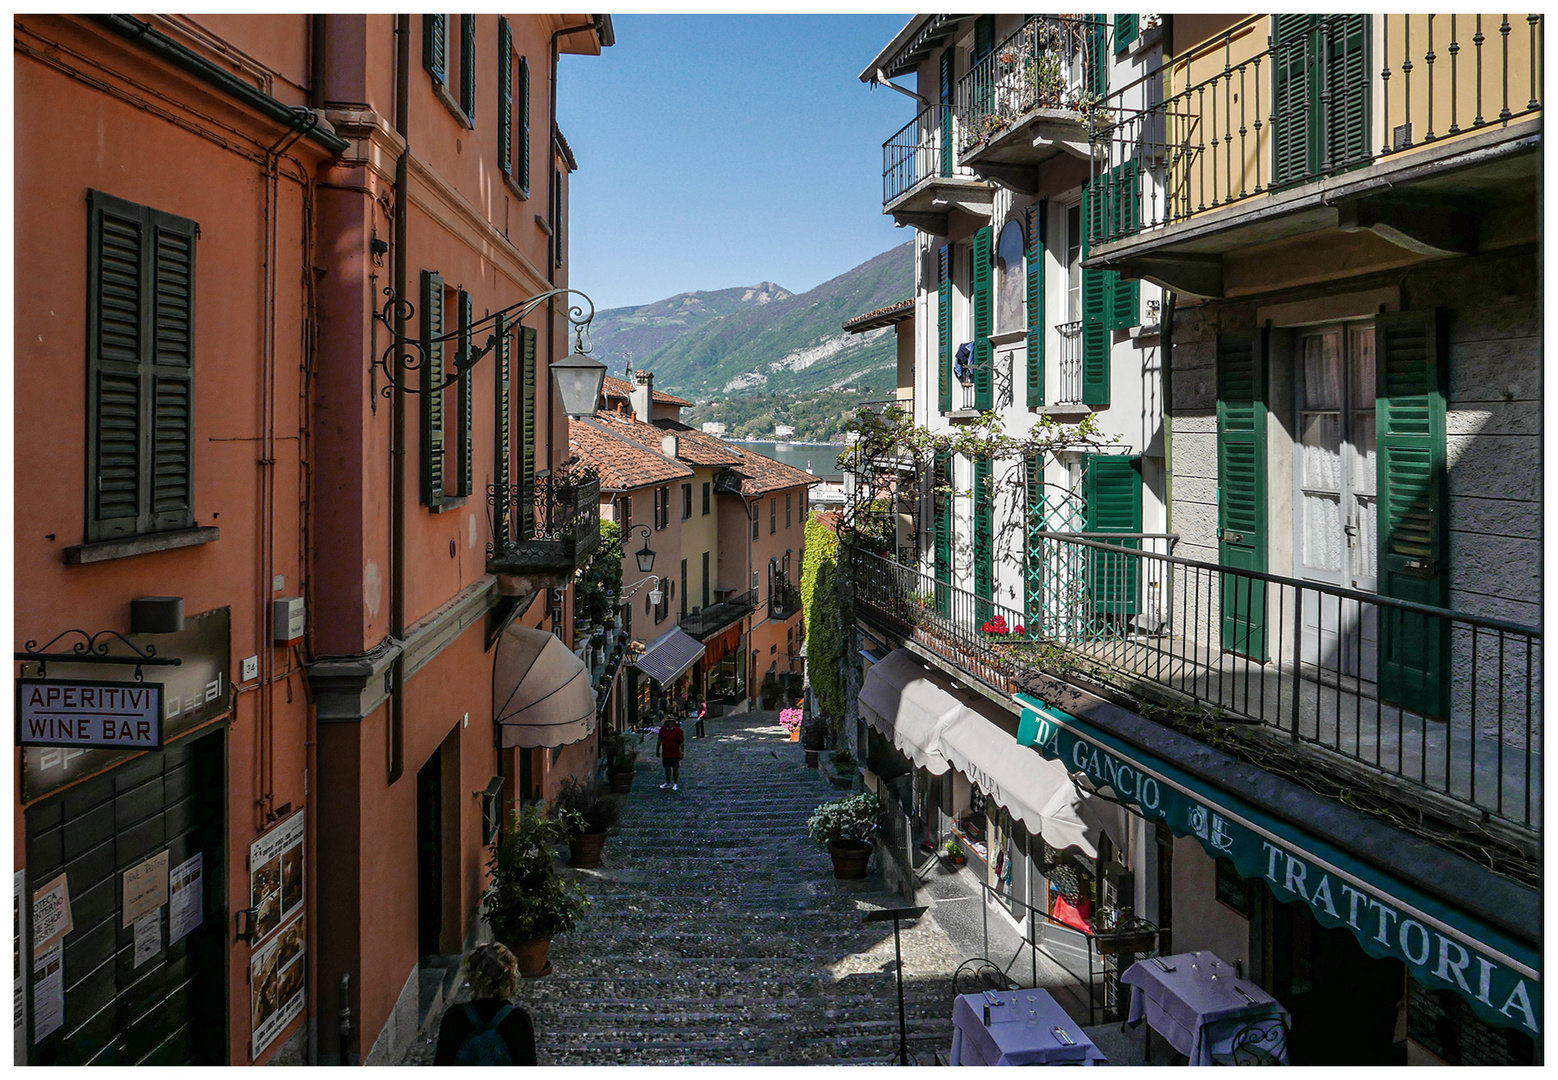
[{"x": 718, "y": 934}]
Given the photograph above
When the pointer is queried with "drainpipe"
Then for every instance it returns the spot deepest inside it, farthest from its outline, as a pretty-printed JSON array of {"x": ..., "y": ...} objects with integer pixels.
[
  {"x": 398, "y": 449},
  {"x": 316, "y": 81},
  {"x": 1166, "y": 363}
]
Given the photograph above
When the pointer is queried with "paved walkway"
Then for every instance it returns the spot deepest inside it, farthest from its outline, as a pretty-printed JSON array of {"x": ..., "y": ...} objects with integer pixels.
[{"x": 718, "y": 934}]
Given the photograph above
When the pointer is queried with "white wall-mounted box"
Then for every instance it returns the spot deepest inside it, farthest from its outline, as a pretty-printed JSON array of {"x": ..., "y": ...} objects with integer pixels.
[{"x": 287, "y": 619}]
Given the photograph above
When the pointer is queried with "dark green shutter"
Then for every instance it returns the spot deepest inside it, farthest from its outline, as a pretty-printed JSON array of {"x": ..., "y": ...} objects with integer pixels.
[
  {"x": 432, "y": 400},
  {"x": 1033, "y": 520},
  {"x": 1124, "y": 296},
  {"x": 942, "y": 502},
  {"x": 984, "y": 84},
  {"x": 1241, "y": 496},
  {"x": 1096, "y": 306},
  {"x": 141, "y": 373},
  {"x": 468, "y": 65},
  {"x": 984, "y": 539},
  {"x": 527, "y": 432},
  {"x": 1038, "y": 213},
  {"x": 984, "y": 397},
  {"x": 1347, "y": 71},
  {"x": 1096, "y": 55},
  {"x": 947, "y": 91},
  {"x": 557, "y": 217},
  {"x": 505, "y": 97},
  {"x": 1411, "y": 511},
  {"x": 944, "y": 327},
  {"x": 1112, "y": 494},
  {"x": 1295, "y": 112},
  {"x": 524, "y": 126},
  {"x": 503, "y": 381},
  {"x": 463, "y": 397},
  {"x": 1124, "y": 32},
  {"x": 435, "y": 46}
]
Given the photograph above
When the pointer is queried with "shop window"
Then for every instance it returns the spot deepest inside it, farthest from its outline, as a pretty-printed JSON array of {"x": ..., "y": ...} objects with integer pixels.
[{"x": 1072, "y": 884}]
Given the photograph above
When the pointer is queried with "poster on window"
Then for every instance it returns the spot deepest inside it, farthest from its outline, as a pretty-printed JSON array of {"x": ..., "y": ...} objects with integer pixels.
[
  {"x": 276, "y": 876},
  {"x": 276, "y": 981},
  {"x": 18, "y": 959}
]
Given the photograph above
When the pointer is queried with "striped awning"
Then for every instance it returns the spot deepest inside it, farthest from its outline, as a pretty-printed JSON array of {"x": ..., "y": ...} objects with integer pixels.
[
  {"x": 541, "y": 693},
  {"x": 669, "y": 656}
]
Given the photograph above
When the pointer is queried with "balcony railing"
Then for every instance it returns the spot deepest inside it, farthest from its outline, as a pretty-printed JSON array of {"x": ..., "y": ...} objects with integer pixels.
[
  {"x": 715, "y": 617},
  {"x": 784, "y": 599},
  {"x": 561, "y": 527},
  {"x": 921, "y": 150},
  {"x": 1040, "y": 66},
  {"x": 1317, "y": 666},
  {"x": 1069, "y": 389},
  {"x": 904, "y": 405},
  {"x": 1276, "y": 101}
]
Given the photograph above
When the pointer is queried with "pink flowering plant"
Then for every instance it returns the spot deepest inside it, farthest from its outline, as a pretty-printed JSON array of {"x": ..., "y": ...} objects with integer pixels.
[{"x": 790, "y": 719}]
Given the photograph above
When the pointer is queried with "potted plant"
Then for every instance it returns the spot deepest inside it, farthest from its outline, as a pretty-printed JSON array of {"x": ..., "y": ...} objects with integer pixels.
[
  {"x": 790, "y": 720},
  {"x": 590, "y": 812},
  {"x": 956, "y": 853},
  {"x": 621, "y": 758},
  {"x": 842, "y": 827},
  {"x": 814, "y": 735},
  {"x": 527, "y": 903}
]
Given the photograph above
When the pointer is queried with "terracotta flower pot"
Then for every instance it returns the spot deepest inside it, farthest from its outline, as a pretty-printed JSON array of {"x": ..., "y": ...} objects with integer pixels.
[
  {"x": 850, "y": 858},
  {"x": 532, "y": 956},
  {"x": 795, "y": 736},
  {"x": 622, "y": 782},
  {"x": 585, "y": 850}
]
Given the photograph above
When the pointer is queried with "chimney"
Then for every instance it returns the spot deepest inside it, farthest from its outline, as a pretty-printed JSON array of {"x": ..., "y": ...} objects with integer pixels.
[
  {"x": 668, "y": 445},
  {"x": 641, "y": 395}
]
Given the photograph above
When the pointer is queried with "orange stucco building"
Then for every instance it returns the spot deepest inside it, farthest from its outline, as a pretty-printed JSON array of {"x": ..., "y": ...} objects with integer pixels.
[{"x": 210, "y": 211}]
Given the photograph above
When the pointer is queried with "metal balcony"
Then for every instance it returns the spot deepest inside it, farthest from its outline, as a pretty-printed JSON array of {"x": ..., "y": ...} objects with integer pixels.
[
  {"x": 784, "y": 599},
  {"x": 543, "y": 530},
  {"x": 703, "y": 622},
  {"x": 921, "y": 182}
]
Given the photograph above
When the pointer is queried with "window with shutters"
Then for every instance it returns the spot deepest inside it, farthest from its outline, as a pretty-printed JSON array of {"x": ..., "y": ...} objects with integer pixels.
[
  {"x": 513, "y": 112},
  {"x": 1320, "y": 95},
  {"x": 449, "y": 55},
  {"x": 527, "y": 431},
  {"x": 683, "y": 608},
  {"x": 753, "y": 508},
  {"x": 705, "y": 498},
  {"x": 558, "y": 219},
  {"x": 435, "y": 398},
  {"x": 773, "y": 515},
  {"x": 140, "y": 369},
  {"x": 502, "y": 426},
  {"x": 1011, "y": 277},
  {"x": 686, "y": 501},
  {"x": 706, "y": 583},
  {"x": 1124, "y": 32},
  {"x": 788, "y": 496},
  {"x": 458, "y": 401}
]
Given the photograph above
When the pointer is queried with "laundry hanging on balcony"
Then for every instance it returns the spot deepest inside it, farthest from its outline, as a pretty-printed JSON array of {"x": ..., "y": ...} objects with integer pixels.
[
  {"x": 963, "y": 363},
  {"x": 541, "y": 691}
]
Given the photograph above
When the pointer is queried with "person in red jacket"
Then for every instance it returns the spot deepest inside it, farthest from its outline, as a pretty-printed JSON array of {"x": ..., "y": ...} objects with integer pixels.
[{"x": 668, "y": 744}]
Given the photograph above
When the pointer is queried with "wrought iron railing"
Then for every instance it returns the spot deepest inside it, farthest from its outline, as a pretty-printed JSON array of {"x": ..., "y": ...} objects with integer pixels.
[
  {"x": 904, "y": 405},
  {"x": 556, "y": 515},
  {"x": 1443, "y": 702},
  {"x": 707, "y": 620},
  {"x": 921, "y": 150},
  {"x": 1068, "y": 390},
  {"x": 1277, "y": 101},
  {"x": 784, "y": 599},
  {"x": 1040, "y": 66}
]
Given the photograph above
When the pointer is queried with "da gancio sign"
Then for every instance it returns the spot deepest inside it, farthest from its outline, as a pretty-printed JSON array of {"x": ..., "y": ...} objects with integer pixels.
[{"x": 123, "y": 716}]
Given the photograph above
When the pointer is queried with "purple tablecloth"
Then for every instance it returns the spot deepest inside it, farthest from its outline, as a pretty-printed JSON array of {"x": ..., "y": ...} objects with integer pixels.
[
  {"x": 1190, "y": 1009},
  {"x": 1014, "y": 1039}
]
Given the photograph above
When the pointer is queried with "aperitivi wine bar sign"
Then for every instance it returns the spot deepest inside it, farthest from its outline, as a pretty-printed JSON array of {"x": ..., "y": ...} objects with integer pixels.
[{"x": 122, "y": 715}]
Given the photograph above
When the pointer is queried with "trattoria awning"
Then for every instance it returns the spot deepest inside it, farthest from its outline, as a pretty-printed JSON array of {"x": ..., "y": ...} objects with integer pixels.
[
  {"x": 669, "y": 655},
  {"x": 541, "y": 692},
  {"x": 1443, "y": 948},
  {"x": 1036, "y": 791},
  {"x": 899, "y": 700}
]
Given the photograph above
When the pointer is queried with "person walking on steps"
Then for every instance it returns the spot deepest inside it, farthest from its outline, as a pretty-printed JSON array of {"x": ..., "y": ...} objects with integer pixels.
[
  {"x": 489, "y": 1029},
  {"x": 699, "y": 716},
  {"x": 669, "y": 744}
]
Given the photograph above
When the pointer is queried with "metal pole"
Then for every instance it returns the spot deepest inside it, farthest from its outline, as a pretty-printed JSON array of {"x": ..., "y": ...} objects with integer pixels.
[{"x": 903, "y": 1030}]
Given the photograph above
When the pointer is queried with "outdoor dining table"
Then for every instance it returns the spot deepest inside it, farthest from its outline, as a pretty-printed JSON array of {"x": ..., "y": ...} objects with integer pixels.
[
  {"x": 1196, "y": 1013},
  {"x": 1013, "y": 1037}
]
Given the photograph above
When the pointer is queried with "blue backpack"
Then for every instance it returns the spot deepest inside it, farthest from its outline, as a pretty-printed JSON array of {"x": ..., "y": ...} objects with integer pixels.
[{"x": 485, "y": 1044}]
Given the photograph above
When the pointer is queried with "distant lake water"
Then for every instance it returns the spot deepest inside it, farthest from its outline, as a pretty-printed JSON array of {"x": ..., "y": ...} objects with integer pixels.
[{"x": 821, "y": 458}]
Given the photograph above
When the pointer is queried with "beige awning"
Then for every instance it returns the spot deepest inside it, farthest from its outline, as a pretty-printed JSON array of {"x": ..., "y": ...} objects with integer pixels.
[
  {"x": 541, "y": 694},
  {"x": 899, "y": 700}
]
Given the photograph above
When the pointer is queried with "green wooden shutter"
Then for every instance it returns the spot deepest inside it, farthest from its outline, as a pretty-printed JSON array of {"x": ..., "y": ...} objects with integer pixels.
[
  {"x": 1124, "y": 32},
  {"x": 464, "y": 396},
  {"x": 1411, "y": 512},
  {"x": 942, "y": 502},
  {"x": 1096, "y": 55},
  {"x": 172, "y": 373},
  {"x": 435, "y": 46},
  {"x": 947, "y": 91},
  {"x": 984, "y": 539},
  {"x": 1295, "y": 113},
  {"x": 1241, "y": 496},
  {"x": 503, "y": 381},
  {"x": 1347, "y": 72},
  {"x": 524, "y": 126},
  {"x": 944, "y": 327},
  {"x": 1097, "y": 292},
  {"x": 505, "y": 97},
  {"x": 432, "y": 400},
  {"x": 1124, "y": 210},
  {"x": 1038, "y": 213},
  {"x": 1112, "y": 494},
  {"x": 984, "y": 45},
  {"x": 527, "y": 431},
  {"x": 468, "y": 65},
  {"x": 1033, "y": 520},
  {"x": 984, "y": 366}
]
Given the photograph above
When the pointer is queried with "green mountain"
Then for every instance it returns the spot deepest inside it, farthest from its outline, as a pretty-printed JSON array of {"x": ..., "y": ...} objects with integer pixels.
[{"x": 722, "y": 343}]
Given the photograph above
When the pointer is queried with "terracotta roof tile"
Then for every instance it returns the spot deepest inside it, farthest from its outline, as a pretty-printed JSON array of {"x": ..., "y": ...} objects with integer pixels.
[
  {"x": 619, "y": 388},
  {"x": 760, "y": 474},
  {"x": 624, "y": 463}
]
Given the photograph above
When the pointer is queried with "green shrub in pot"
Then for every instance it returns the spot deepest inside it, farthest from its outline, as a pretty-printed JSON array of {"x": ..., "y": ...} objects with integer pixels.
[{"x": 848, "y": 820}]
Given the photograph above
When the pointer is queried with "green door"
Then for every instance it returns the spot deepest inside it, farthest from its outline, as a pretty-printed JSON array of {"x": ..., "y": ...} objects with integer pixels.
[
  {"x": 1241, "y": 495},
  {"x": 1412, "y": 499},
  {"x": 1112, "y": 488}
]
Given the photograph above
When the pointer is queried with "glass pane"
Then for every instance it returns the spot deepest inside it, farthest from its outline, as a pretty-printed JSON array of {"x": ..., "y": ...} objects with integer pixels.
[
  {"x": 1322, "y": 451},
  {"x": 1363, "y": 387},
  {"x": 1363, "y": 461},
  {"x": 1012, "y": 280},
  {"x": 1322, "y": 532},
  {"x": 1365, "y": 553},
  {"x": 1323, "y": 372}
]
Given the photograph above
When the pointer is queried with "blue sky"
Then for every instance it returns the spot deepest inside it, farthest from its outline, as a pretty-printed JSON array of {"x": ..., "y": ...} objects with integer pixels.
[{"x": 719, "y": 150}]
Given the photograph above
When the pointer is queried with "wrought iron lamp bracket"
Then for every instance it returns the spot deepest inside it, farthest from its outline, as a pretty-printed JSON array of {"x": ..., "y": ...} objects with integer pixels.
[
  {"x": 408, "y": 354},
  {"x": 89, "y": 650}
]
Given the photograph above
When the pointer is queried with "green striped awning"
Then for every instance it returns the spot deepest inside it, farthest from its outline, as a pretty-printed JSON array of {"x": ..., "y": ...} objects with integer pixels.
[{"x": 1444, "y": 948}]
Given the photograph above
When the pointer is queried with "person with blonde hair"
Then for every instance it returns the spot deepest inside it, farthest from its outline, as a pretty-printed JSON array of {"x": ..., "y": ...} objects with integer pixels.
[{"x": 489, "y": 1029}]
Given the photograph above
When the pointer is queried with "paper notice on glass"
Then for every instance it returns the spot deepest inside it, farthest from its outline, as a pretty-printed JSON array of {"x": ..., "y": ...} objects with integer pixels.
[
  {"x": 148, "y": 936},
  {"x": 18, "y": 969},
  {"x": 50, "y": 914},
  {"x": 48, "y": 991},
  {"x": 145, "y": 887},
  {"x": 186, "y": 906}
]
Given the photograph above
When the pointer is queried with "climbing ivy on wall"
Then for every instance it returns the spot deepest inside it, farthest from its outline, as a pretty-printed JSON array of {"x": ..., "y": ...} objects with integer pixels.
[{"x": 824, "y": 617}]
